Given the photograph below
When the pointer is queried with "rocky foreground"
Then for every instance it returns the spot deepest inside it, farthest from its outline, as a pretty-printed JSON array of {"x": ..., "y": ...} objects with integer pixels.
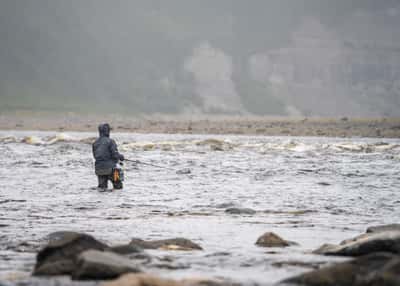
[
  {"x": 374, "y": 260},
  {"x": 329, "y": 127}
]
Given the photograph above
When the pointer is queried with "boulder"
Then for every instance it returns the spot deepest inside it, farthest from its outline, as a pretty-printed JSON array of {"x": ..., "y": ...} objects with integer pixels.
[
  {"x": 384, "y": 228},
  {"x": 270, "y": 239},
  {"x": 377, "y": 269},
  {"x": 246, "y": 211},
  {"x": 101, "y": 265},
  {"x": 54, "y": 268},
  {"x": 374, "y": 229},
  {"x": 364, "y": 244},
  {"x": 166, "y": 244},
  {"x": 59, "y": 256}
]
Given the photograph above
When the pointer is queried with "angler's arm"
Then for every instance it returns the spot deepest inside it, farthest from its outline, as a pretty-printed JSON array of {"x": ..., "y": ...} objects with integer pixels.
[{"x": 114, "y": 152}]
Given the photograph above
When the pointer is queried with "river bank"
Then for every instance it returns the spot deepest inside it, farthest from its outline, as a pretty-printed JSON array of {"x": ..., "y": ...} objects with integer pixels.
[{"x": 269, "y": 126}]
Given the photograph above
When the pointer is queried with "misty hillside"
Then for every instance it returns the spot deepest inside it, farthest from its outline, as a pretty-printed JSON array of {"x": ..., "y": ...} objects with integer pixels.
[{"x": 264, "y": 57}]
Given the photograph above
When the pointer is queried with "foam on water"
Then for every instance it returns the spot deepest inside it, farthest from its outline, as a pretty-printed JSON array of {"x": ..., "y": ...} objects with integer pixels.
[
  {"x": 308, "y": 190},
  {"x": 220, "y": 144}
]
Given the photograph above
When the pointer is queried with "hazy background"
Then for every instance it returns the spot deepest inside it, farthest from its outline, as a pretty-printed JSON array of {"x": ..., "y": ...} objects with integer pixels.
[{"x": 266, "y": 57}]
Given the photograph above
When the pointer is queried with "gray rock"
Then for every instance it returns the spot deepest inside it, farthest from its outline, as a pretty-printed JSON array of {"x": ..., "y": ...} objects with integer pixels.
[
  {"x": 168, "y": 244},
  {"x": 325, "y": 248},
  {"x": 358, "y": 237},
  {"x": 54, "y": 268},
  {"x": 169, "y": 265},
  {"x": 59, "y": 255},
  {"x": 383, "y": 228},
  {"x": 59, "y": 235},
  {"x": 364, "y": 244},
  {"x": 377, "y": 269},
  {"x": 125, "y": 249},
  {"x": 184, "y": 171},
  {"x": 99, "y": 265},
  {"x": 270, "y": 239},
  {"x": 372, "y": 230},
  {"x": 246, "y": 211}
]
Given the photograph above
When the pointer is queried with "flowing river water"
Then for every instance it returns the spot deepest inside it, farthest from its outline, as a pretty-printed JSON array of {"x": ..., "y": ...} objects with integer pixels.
[{"x": 308, "y": 190}]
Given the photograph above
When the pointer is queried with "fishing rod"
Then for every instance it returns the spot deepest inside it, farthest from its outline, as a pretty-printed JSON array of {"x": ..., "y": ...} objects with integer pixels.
[{"x": 148, "y": 164}]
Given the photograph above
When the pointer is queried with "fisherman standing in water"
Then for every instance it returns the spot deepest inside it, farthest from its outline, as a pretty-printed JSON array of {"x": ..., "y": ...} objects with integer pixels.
[{"x": 106, "y": 153}]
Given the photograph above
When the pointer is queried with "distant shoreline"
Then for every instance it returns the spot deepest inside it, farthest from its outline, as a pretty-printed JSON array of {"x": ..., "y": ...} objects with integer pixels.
[{"x": 246, "y": 125}]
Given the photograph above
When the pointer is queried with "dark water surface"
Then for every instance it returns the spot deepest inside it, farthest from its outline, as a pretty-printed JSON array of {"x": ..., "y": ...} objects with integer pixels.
[{"x": 308, "y": 190}]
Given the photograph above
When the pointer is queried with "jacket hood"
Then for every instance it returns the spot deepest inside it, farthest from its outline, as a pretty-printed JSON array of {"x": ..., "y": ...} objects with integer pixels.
[{"x": 104, "y": 130}]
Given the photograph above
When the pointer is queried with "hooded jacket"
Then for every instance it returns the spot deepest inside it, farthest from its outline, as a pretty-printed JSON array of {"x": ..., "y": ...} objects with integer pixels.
[{"x": 105, "y": 151}]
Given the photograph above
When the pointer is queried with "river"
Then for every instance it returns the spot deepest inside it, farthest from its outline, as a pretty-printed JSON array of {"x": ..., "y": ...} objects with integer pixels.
[{"x": 306, "y": 189}]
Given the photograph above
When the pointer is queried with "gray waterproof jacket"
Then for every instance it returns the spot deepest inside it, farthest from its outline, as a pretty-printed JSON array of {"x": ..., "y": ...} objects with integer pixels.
[{"x": 105, "y": 152}]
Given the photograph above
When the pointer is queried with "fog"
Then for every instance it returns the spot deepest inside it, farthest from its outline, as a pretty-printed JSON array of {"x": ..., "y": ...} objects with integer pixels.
[{"x": 260, "y": 57}]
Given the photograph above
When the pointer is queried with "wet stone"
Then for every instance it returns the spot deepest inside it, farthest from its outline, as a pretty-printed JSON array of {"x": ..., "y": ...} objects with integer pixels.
[
  {"x": 325, "y": 248},
  {"x": 221, "y": 253},
  {"x": 293, "y": 212},
  {"x": 125, "y": 249},
  {"x": 59, "y": 256},
  {"x": 166, "y": 244},
  {"x": 169, "y": 265},
  {"x": 59, "y": 235},
  {"x": 384, "y": 228},
  {"x": 99, "y": 265},
  {"x": 59, "y": 267},
  {"x": 364, "y": 244},
  {"x": 184, "y": 171},
  {"x": 270, "y": 239},
  {"x": 323, "y": 183},
  {"x": 353, "y": 239},
  {"x": 244, "y": 211},
  {"x": 377, "y": 269}
]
